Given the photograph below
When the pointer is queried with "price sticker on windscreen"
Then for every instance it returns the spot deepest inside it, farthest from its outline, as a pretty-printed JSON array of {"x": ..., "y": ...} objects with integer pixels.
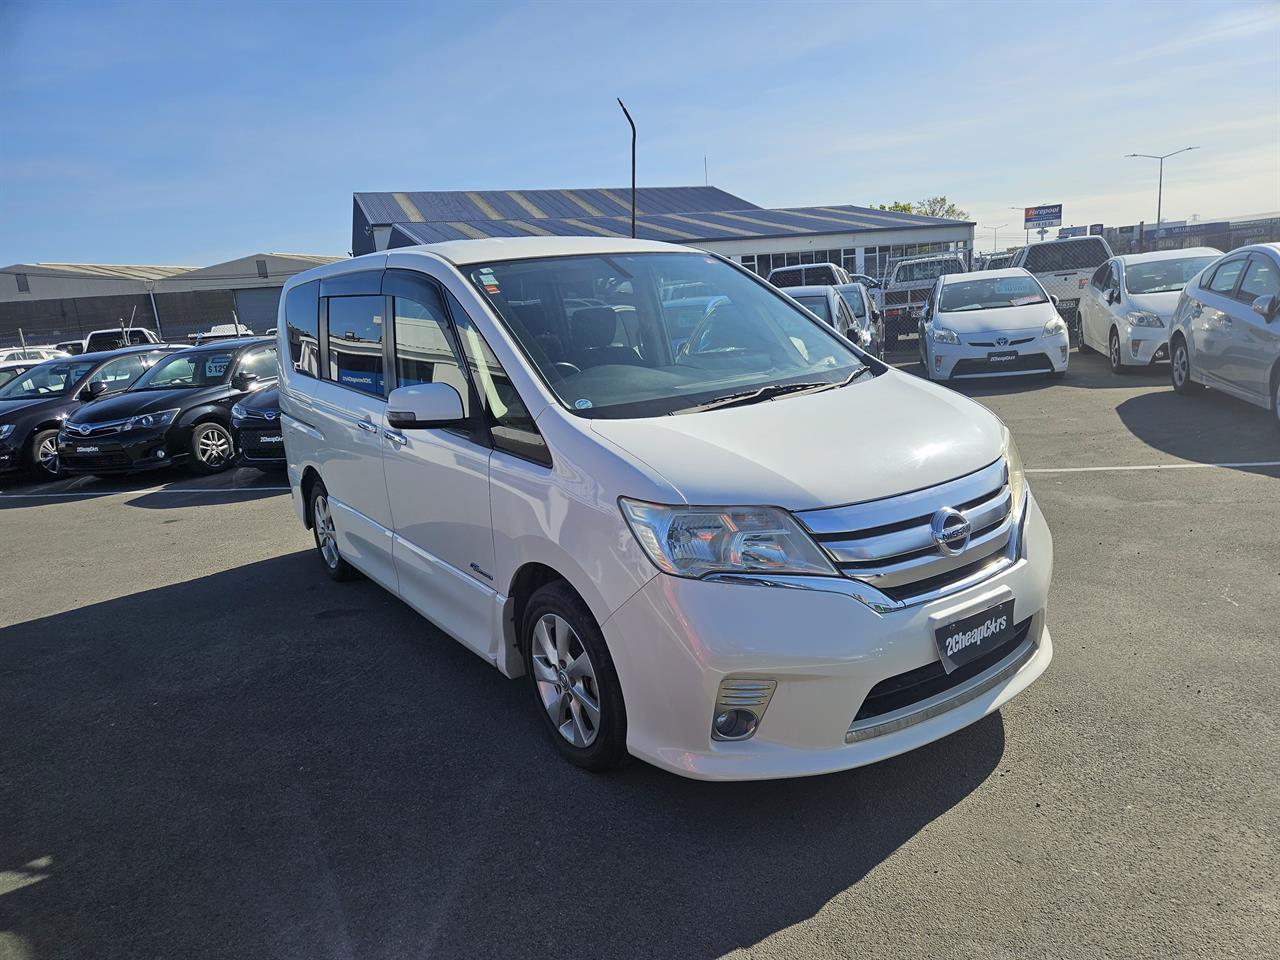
[{"x": 216, "y": 366}]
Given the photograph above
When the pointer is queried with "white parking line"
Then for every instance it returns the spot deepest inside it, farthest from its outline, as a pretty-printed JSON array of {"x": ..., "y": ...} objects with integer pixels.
[
  {"x": 115, "y": 493},
  {"x": 1156, "y": 466}
]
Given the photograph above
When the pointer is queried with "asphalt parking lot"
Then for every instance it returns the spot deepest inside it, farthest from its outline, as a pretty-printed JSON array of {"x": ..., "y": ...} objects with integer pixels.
[{"x": 209, "y": 750}]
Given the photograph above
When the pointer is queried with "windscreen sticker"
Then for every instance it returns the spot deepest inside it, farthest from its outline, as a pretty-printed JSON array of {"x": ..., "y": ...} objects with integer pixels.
[
  {"x": 216, "y": 366},
  {"x": 488, "y": 280},
  {"x": 583, "y": 404}
]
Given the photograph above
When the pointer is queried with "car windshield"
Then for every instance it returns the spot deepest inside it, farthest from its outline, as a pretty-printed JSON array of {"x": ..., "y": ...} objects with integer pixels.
[
  {"x": 1163, "y": 276},
  {"x": 925, "y": 270},
  {"x": 632, "y": 351},
  {"x": 52, "y": 378},
  {"x": 197, "y": 368},
  {"x": 990, "y": 294},
  {"x": 818, "y": 306},
  {"x": 1086, "y": 253}
]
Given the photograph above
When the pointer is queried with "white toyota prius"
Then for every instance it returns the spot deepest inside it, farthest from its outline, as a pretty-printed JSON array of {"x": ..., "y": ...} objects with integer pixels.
[{"x": 994, "y": 323}]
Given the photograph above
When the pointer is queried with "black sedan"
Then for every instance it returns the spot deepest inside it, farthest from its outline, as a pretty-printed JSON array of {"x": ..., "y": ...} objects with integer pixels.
[
  {"x": 178, "y": 412},
  {"x": 34, "y": 404},
  {"x": 255, "y": 425}
]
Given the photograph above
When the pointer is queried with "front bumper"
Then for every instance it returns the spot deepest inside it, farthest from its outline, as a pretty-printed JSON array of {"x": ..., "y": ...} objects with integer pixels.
[
  {"x": 675, "y": 640},
  {"x": 119, "y": 453},
  {"x": 1035, "y": 355},
  {"x": 259, "y": 445},
  {"x": 1143, "y": 346},
  {"x": 10, "y": 457}
]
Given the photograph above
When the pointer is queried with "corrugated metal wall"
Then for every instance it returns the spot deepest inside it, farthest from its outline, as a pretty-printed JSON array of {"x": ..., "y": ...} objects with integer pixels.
[{"x": 49, "y": 321}]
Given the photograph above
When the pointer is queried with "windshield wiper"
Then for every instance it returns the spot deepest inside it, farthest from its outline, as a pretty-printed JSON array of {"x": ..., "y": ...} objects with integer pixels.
[{"x": 774, "y": 390}]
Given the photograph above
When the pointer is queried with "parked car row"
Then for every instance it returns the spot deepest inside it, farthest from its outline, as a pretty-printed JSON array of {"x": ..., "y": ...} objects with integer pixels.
[
  {"x": 848, "y": 308},
  {"x": 137, "y": 408}
]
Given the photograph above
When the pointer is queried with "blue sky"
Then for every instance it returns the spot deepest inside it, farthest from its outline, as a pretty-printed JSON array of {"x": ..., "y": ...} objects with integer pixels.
[{"x": 175, "y": 133}]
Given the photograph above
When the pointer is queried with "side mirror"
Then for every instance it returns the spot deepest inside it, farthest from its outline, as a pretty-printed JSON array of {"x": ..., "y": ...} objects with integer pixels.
[
  {"x": 244, "y": 381},
  {"x": 424, "y": 407},
  {"x": 1266, "y": 307},
  {"x": 93, "y": 390},
  {"x": 1053, "y": 300},
  {"x": 1113, "y": 296}
]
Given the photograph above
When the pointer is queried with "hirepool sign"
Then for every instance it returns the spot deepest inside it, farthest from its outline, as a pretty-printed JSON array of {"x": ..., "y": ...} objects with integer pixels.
[{"x": 1049, "y": 215}]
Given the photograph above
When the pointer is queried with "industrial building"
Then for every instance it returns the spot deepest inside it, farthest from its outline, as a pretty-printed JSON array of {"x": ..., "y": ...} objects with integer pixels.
[
  {"x": 862, "y": 239},
  {"x": 52, "y": 302}
]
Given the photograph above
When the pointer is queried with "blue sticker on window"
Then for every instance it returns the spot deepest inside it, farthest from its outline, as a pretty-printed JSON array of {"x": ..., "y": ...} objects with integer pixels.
[{"x": 582, "y": 404}]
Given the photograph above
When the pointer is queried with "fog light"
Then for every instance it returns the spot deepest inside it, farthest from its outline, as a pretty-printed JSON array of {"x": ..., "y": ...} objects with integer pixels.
[
  {"x": 735, "y": 724},
  {"x": 937, "y": 362},
  {"x": 1134, "y": 347},
  {"x": 1065, "y": 351},
  {"x": 740, "y": 706},
  {"x": 160, "y": 454}
]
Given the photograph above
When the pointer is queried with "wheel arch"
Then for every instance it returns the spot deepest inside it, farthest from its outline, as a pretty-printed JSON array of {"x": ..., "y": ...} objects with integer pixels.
[
  {"x": 526, "y": 581},
  {"x": 310, "y": 476}
]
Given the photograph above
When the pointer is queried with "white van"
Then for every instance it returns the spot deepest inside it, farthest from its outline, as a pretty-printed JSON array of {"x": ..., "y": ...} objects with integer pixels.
[
  {"x": 650, "y": 521},
  {"x": 1063, "y": 268}
]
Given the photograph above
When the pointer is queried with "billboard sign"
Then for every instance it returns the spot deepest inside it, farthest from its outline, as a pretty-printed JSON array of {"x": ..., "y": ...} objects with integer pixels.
[
  {"x": 1071, "y": 232},
  {"x": 1095, "y": 229},
  {"x": 1048, "y": 215}
]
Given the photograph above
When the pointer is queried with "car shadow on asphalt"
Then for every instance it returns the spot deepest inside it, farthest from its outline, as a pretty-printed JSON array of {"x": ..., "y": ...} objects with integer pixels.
[
  {"x": 159, "y": 490},
  {"x": 263, "y": 763},
  {"x": 1209, "y": 427},
  {"x": 1085, "y": 371}
]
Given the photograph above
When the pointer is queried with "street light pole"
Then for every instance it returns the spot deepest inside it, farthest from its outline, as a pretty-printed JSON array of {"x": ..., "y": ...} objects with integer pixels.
[
  {"x": 995, "y": 244},
  {"x": 1023, "y": 211},
  {"x": 633, "y": 166},
  {"x": 1160, "y": 183}
]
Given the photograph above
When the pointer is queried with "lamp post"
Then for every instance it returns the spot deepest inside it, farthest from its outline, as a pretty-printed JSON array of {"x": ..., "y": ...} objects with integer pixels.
[
  {"x": 1160, "y": 186},
  {"x": 155, "y": 314},
  {"x": 633, "y": 165},
  {"x": 995, "y": 232}
]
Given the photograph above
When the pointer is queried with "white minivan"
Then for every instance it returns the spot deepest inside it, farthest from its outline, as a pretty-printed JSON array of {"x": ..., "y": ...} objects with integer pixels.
[{"x": 742, "y": 549}]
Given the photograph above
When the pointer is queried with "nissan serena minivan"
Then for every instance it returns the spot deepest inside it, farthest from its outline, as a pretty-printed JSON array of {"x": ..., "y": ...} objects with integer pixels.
[{"x": 736, "y": 549}]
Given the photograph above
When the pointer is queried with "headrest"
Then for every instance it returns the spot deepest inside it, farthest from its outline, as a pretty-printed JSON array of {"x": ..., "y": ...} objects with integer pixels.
[
  {"x": 533, "y": 316},
  {"x": 593, "y": 327}
]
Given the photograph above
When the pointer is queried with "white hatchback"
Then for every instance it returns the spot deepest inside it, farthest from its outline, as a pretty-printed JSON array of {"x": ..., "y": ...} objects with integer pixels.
[
  {"x": 1127, "y": 307},
  {"x": 637, "y": 506},
  {"x": 992, "y": 323}
]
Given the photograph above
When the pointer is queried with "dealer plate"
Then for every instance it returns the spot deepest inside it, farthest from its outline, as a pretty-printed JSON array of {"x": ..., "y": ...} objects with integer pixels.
[
  {"x": 968, "y": 638},
  {"x": 998, "y": 357}
]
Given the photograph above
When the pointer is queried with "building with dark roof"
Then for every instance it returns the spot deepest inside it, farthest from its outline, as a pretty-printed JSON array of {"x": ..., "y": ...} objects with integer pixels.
[{"x": 862, "y": 239}]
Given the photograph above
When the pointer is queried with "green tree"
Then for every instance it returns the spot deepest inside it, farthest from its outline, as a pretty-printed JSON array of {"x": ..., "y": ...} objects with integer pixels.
[
  {"x": 897, "y": 207},
  {"x": 940, "y": 207}
]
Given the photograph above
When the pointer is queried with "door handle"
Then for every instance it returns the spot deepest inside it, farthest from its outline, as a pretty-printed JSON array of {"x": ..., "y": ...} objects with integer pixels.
[
  {"x": 399, "y": 439},
  {"x": 366, "y": 426}
]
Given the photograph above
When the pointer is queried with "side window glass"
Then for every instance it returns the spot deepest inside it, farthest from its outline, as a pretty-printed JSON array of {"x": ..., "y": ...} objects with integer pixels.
[
  {"x": 424, "y": 353},
  {"x": 510, "y": 423},
  {"x": 302, "y": 318},
  {"x": 355, "y": 343},
  {"x": 1100, "y": 276},
  {"x": 262, "y": 363},
  {"x": 118, "y": 374},
  {"x": 1260, "y": 280},
  {"x": 1224, "y": 279}
]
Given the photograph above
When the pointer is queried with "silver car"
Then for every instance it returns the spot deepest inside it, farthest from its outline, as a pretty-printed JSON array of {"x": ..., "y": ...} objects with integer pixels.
[{"x": 1225, "y": 332}]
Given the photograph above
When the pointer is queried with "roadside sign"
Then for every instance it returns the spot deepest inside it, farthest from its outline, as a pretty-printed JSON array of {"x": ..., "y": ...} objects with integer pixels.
[
  {"x": 1095, "y": 229},
  {"x": 1048, "y": 215}
]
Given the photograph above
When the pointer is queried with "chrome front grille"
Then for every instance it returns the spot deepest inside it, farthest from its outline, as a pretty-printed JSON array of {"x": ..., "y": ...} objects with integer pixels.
[
  {"x": 1008, "y": 343},
  {"x": 889, "y": 544},
  {"x": 95, "y": 429}
]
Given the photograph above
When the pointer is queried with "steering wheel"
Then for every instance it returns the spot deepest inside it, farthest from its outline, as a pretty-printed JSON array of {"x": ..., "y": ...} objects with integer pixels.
[{"x": 565, "y": 369}]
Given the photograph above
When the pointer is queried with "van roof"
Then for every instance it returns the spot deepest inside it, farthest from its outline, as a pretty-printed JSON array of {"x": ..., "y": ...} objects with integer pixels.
[{"x": 461, "y": 252}]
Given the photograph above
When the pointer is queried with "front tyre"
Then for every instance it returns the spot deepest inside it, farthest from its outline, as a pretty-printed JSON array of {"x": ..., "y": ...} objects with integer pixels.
[
  {"x": 1180, "y": 368},
  {"x": 1113, "y": 352},
  {"x": 42, "y": 456},
  {"x": 326, "y": 535},
  {"x": 212, "y": 449},
  {"x": 575, "y": 687}
]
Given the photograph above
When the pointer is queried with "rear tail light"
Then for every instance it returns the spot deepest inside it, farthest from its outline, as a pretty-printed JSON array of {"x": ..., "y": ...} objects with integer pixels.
[{"x": 1081, "y": 281}]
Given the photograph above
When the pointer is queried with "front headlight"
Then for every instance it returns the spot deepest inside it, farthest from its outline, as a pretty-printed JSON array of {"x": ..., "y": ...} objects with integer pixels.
[
  {"x": 6, "y": 430},
  {"x": 1143, "y": 318},
  {"x": 238, "y": 411},
  {"x": 695, "y": 541},
  {"x": 1056, "y": 327},
  {"x": 943, "y": 335},
  {"x": 1017, "y": 475},
  {"x": 146, "y": 421}
]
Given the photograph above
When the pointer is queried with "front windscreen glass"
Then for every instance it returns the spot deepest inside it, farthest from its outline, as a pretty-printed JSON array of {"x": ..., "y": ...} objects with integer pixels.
[
  {"x": 49, "y": 379},
  {"x": 926, "y": 270},
  {"x": 203, "y": 368},
  {"x": 638, "y": 335},
  {"x": 1163, "y": 276},
  {"x": 990, "y": 294},
  {"x": 818, "y": 306}
]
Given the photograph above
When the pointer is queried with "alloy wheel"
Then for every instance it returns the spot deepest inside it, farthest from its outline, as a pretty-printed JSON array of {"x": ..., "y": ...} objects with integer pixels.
[
  {"x": 214, "y": 447},
  {"x": 1115, "y": 351},
  {"x": 1181, "y": 366},
  {"x": 566, "y": 680},
  {"x": 325, "y": 535},
  {"x": 47, "y": 456}
]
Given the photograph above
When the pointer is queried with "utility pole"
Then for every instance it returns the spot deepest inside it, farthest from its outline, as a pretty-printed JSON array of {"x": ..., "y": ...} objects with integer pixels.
[
  {"x": 995, "y": 231},
  {"x": 1023, "y": 211},
  {"x": 1160, "y": 183},
  {"x": 155, "y": 314},
  {"x": 627, "y": 113}
]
